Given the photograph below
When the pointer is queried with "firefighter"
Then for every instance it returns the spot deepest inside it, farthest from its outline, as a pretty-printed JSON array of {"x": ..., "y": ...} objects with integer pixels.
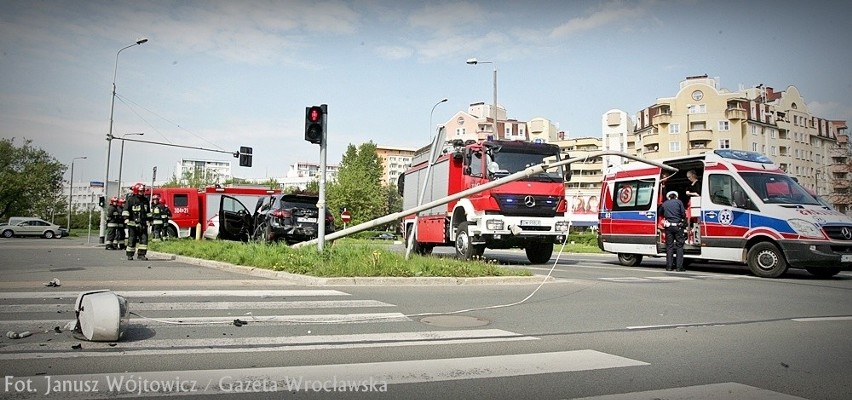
[
  {"x": 135, "y": 214},
  {"x": 165, "y": 215},
  {"x": 113, "y": 215},
  {"x": 120, "y": 234},
  {"x": 156, "y": 218}
]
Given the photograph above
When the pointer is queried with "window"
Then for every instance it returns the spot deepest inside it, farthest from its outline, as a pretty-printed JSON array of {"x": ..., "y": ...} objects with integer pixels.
[
  {"x": 724, "y": 143},
  {"x": 724, "y": 125},
  {"x": 633, "y": 195},
  {"x": 181, "y": 200},
  {"x": 459, "y": 131},
  {"x": 697, "y": 126},
  {"x": 754, "y": 129},
  {"x": 674, "y": 147},
  {"x": 772, "y": 151},
  {"x": 724, "y": 190},
  {"x": 674, "y": 128},
  {"x": 696, "y": 108},
  {"x": 754, "y": 147}
]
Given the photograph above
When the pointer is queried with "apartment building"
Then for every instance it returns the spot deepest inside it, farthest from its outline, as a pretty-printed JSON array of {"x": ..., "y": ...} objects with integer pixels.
[
  {"x": 395, "y": 160},
  {"x": 216, "y": 171},
  {"x": 701, "y": 117},
  {"x": 478, "y": 124}
]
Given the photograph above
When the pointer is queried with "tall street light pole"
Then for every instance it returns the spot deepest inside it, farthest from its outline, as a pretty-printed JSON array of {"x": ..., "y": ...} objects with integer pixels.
[
  {"x": 474, "y": 61},
  {"x": 444, "y": 100},
  {"x": 71, "y": 189},
  {"x": 121, "y": 160},
  {"x": 109, "y": 135}
]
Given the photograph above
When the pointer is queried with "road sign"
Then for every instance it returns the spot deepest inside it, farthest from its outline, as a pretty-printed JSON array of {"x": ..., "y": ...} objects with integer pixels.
[{"x": 345, "y": 216}]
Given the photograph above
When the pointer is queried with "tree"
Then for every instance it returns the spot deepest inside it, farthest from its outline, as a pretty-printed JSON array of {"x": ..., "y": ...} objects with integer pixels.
[
  {"x": 30, "y": 180},
  {"x": 359, "y": 185}
]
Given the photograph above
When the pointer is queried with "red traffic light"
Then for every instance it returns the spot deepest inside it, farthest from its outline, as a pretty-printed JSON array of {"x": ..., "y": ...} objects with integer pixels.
[{"x": 315, "y": 114}]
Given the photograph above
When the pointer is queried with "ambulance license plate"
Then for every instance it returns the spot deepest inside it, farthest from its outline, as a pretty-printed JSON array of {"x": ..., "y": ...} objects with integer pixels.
[
  {"x": 846, "y": 258},
  {"x": 306, "y": 220},
  {"x": 530, "y": 222}
]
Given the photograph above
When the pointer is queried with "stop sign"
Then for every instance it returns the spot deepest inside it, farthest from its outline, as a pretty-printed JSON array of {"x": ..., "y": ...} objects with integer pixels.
[{"x": 345, "y": 217}]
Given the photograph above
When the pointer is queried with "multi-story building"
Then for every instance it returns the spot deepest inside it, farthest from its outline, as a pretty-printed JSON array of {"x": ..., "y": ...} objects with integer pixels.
[
  {"x": 702, "y": 117},
  {"x": 395, "y": 160},
  {"x": 86, "y": 195},
  {"x": 302, "y": 173},
  {"x": 618, "y": 135},
  {"x": 478, "y": 124},
  {"x": 216, "y": 171},
  {"x": 583, "y": 189}
]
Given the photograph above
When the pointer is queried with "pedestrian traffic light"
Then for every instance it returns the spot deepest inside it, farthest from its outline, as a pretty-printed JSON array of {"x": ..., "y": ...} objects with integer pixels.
[
  {"x": 315, "y": 124},
  {"x": 245, "y": 156}
]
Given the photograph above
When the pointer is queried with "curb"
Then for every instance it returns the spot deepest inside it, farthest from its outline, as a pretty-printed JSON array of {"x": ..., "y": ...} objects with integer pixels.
[{"x": 307, "y": 280}]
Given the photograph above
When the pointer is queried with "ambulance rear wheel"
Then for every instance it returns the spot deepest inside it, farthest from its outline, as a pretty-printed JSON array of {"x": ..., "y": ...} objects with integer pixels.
[
  {"x": 766, "y": 261},
  {"x": 464, "y": 249},
  {"x": 629, "y": 260}
]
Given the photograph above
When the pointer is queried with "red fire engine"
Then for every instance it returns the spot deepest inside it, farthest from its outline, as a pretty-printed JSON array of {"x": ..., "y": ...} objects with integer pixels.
[
  {"x": 527, "y": 213},
  {"x": 191, "y": 207}
]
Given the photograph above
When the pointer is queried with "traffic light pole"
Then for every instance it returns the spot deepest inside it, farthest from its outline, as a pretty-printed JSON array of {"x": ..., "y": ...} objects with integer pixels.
[{"x": 321, "y": 202}]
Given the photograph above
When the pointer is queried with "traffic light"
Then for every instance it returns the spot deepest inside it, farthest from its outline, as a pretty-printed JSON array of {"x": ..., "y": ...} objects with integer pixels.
[
  {"x": 245, "y": 156},
  {"x": 315, "y": 123}
]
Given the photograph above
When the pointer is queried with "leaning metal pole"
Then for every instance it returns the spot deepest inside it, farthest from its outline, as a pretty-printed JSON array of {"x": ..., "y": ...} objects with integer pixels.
[{"x": 535, "y": 169}]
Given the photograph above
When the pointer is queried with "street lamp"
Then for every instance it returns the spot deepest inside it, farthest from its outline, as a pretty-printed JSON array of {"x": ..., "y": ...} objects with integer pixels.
[
  {"x": 71, "y": 189},
  {"x": 444, "y": 100},
  {"x": 121, "y": 160},
  {"x": 109, "y": 135},
  {"x": 474, "y": 61}
]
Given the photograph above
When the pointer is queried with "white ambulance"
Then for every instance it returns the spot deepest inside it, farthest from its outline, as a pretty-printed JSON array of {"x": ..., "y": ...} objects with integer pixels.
[{"x": 749, "y": 211}]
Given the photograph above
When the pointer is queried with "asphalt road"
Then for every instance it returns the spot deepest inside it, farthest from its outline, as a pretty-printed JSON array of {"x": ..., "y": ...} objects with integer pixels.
[{"x": 600, "y": 330}]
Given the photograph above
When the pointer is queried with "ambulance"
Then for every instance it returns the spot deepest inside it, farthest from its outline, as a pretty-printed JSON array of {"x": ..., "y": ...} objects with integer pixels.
[{"x": 749, "y": 211}]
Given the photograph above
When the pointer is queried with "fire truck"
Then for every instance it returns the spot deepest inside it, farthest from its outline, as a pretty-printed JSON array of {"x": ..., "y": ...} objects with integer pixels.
[
  {"x": 192, "y": 207},
  {"x": 528, "y": 213},
  {"x": 748, "y": 211}
]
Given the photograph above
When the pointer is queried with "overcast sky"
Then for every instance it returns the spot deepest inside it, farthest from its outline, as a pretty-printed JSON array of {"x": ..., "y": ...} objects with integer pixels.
[{"x": 225, "y": 74}]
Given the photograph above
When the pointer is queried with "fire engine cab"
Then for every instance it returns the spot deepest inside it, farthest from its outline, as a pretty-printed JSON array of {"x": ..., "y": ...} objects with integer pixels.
[{"x": 748, "y": 211}]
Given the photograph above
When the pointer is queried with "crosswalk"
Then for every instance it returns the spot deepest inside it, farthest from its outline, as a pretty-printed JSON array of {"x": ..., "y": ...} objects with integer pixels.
[{"x": 167, "y": 312}]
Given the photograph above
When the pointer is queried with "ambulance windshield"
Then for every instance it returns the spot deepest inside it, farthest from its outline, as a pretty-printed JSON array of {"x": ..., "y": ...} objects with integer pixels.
[{"x": 778, "y": 189}]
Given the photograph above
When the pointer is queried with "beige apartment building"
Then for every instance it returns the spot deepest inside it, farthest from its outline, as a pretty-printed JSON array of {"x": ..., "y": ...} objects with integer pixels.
[
  {"x": 701, "y": 117},
  {"x": 395, "y": 160}
]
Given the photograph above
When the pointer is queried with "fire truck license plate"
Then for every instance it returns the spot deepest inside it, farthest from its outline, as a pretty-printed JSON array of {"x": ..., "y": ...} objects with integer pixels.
[
  {"x": 530, "y": 222},
  {"x": 305, "y": 219},
  {"x": 846, "y": 258}
]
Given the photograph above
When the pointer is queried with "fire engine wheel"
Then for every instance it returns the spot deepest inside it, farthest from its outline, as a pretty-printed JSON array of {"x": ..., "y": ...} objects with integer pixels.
[
  {"x": 766, "y": 261},
  {"x": 464, "y": 249},
  {"x": 422, "y": 249},
  {"x": 539, "y": 253},
  {"x": 824, "y": 272},
  {"x": 629, "y": 260},
  {"x": 171, "y": 232}
]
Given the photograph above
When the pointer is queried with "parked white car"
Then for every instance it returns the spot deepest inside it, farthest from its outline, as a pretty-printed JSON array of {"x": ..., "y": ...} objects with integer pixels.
[{"x": 31, "y": 227}]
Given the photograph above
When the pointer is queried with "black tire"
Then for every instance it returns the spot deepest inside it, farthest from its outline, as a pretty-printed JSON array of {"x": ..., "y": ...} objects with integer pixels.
[
  {"x": 171, "y": 232},
  {"x": 422, "y": 249},
  {"x": 8, "y": 233},
  {"x": 824, "y": 272},
  {"x": 629, "y": 260},
  {"x": 48, "y": 235},
  {"x": 464, "y": 249},
  {"x": 539, "y": 253},
  {"x": 766, "y": 261}
]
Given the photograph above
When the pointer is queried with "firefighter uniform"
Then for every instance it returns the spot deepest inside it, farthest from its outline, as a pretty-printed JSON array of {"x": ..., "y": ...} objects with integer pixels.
[
  {"x": 156, "y": 218},
  {"x": 136, "y": 213},
  {"x": 165, "y": 215},
  {"x": 113, "y": 215},
  {"x": 120, "y": 235}
]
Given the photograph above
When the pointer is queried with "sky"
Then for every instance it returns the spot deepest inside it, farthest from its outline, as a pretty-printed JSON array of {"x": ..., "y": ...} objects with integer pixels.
[{"x": 224, "y": 74}]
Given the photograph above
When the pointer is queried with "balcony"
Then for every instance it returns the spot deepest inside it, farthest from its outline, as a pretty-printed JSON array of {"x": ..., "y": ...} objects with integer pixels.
[
  {"x": 651, "y": 139},
  {"x": 661, "y": 119},
  {"x": 700, "y": 134},
  {"x": 586, "y": 167},
  {"x": 735, "y": 114}
]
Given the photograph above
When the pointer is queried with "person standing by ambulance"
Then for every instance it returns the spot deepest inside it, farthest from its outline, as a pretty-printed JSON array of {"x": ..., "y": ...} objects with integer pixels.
[
  {"x": 135, "y": 214},
  {"x": 674, "y": 222}
]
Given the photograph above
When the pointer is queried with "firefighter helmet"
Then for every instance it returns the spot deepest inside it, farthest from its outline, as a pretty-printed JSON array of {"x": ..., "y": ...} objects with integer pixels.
[
  {"x": 113, "y": 200},
  {"x": 121, "y": 201},
  {"x": 155, "y": 198},
  {"x": 138, "y": 188}
]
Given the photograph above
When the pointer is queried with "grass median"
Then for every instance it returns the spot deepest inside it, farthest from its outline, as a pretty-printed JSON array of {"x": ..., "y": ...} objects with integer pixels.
[{"x": 345, "y": 258}]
